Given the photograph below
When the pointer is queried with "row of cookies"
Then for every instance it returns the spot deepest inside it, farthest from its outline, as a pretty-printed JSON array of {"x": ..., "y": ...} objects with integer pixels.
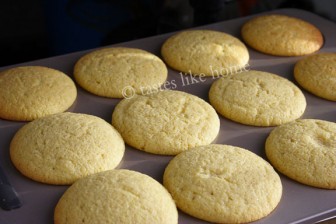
[
  {"x": 27, "y": 94},
  {"x": 31, "y": 92},
  {"x": 216, "y": 183}
]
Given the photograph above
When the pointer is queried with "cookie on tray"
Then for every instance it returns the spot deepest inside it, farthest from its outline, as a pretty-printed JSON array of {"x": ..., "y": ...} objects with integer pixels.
[
  {"x": 61, "y": 148},
  {"x": 257, "y": 98},
  {"x": 30, "y": 92},
  {"x": 305, "y": 150},
  {"x": 166, "y": 123},
  {"x": 116, "y": 72},
  {"x": 223, "y": 184},
  {"x": 317, "y": 74},
  {"x": 205, "y": 52},
  {"x": 116, "y": 196},
  {"x": 281, "y": 35}
]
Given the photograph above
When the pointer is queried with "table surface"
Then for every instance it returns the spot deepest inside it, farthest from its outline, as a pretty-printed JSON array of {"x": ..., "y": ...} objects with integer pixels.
[{"x": 299, "y": 203}]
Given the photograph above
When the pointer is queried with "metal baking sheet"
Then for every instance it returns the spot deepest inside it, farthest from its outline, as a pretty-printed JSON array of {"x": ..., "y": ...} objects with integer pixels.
[{"x": 299, "y": 203}]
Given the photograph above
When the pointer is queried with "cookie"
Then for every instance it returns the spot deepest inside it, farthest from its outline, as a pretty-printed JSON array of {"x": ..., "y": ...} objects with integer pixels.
[
  {"x": 109, "y": 71},
  {"x": 166, "y": 123},
  {"x": 281, "y": 35},
  {"x": 317, "y": 74},
  {"x": 61, "y": 148},
  {"x": 30, "y": 92},
  {"x": 116, "y": 196},
  {"x": 223, "y": 184},
  {"x": 305, "y": 150},
  {"x": 257, "y": 98},
  {"x": 205, "y": 52}
]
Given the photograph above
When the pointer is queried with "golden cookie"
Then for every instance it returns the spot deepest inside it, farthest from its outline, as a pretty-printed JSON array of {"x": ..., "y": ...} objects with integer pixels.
[
  {"x": 31, "y": 92},
  {"x": 257, "y": 98},
  {"x": 317, "y": 74},
  {"x": 109, "y": 72},
  {"x": 223, "y": 184},
  {"x": 305, "y": 150},
  {"x": 61, "y": 148},
  {"x": 116, "y": 196},
  {"x": 205, "y": 52},
  {"x": 167, "y": 122},
  {"x": 282, "y": 35}
]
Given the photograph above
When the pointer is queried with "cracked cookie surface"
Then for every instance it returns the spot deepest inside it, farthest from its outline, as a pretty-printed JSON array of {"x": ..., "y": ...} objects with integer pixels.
[
  {"x": 223, "y": 184},
  {"x": 167, "y": 122},
  {"x": 116, "y": 196},
  {"x": 31, "y": 92},
  {"x": 317, "y": 74},
  {"x": 257, "y": 98},
  {"x": 282, "y": 35},
  {"x": 61, "y": 148},
  {"x": 205, "y": 52},
  {"x": 305, "y": 150},
  {"x": 106, "y": 72}
]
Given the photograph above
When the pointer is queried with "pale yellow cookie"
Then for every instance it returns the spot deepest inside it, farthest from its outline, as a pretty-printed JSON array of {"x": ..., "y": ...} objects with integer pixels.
[
  {"x": 205, "y": 52},
  {"x": 116, "y": 196},
  {"x": 167, "y": 122},
  {"x": 61, "y": 148},
  {"x": 118, "y": 71},
  {"x": 281, "y": 35},
  {"x": 317, "y": 74},
  {"x": 223, "y": 184},
  {"x": 31, "y": 92},
  {"x": 257, "y": 98},
  {"x": 305, "y": 150}
]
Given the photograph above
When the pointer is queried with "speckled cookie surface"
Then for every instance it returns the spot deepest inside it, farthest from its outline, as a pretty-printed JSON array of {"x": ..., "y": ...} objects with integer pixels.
[
  {"x": 116, "y": 196},
  {"x": 305, "y": 150},
  {"x": 61, "y": 148},
  {"x": 257, "y": 98},
  {"x": 282, "y": 35},
  {"x": 205, "y": 52},
  {"x": 223, "y": 184},
  {"x": 109, "y": 71},
  {"x": 317, "y": 74},
  {"x": 167, "y": 122},
  {"x": 31, "y": 92}
]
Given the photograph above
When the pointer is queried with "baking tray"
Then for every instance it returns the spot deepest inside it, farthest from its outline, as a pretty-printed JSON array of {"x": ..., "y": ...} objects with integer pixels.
[{"x": 299, "y": 203}]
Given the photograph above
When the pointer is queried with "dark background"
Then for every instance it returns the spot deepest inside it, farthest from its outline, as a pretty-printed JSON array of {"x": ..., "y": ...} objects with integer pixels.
[{"x": 34, "y": 29}]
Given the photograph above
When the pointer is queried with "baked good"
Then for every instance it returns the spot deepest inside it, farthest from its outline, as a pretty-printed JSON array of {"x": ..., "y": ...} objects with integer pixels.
[
  {"x": 257, "y": 98},
  {"x": 166, "y": 123},
  {"x": 317, "y": 74},
  {"x": 281, "y": 35},
  {"x": 118, "y": 71},
  {"x": 116, "y": 196},
  {"x": 205, "y": 53},
  {"x": 305, "y": 150},
  {"x": 61, "y": 148},
  {"x": 30, "y": 92},
  {"x": 223, "y": 184}
]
